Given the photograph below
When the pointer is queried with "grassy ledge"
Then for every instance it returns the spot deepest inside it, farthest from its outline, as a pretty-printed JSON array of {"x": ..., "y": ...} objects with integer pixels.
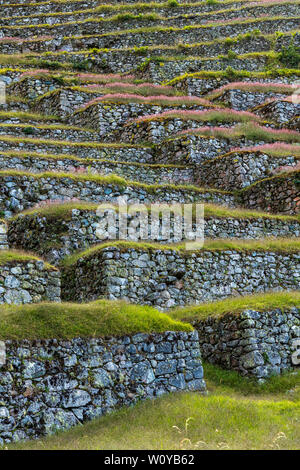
[
  {"x": 15, "y": 256},
  {"x": 97, "y": 319},
  {"x": 234, "y": 306},
  {"x": 278, "y": 245},
  {"x": 64, "y": 211},
  {"x": 109, "y": 180}
]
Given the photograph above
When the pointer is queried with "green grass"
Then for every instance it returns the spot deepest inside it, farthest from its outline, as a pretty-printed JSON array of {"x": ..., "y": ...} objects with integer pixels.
[
  {"x": 109, "y": 180},
  {"x": 260, "y": 302},
  {"x": 231, "y": 73},
  {"x": 86, "y": 162},
  {"x": 67, "y": 143},
  {"x": 227, "y": 381},
  {"x": 123, "y": 8},
  {"x": 97, "y": 319},
  {"x": 187, "y": 421},
  {"x": 64, "y": 211},
  {"x": 277, "y": 245},
  {"x": 15, "y": 256},
  {"x": 63, "y": 127},
  {"x": 25, "y": 116},
  {"x": 251, "y": 131}
]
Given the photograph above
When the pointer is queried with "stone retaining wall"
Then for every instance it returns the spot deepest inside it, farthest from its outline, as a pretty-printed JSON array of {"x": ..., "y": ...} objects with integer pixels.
[
  {"x": 80, "y": 229},
  {"x": 238, "y": 170},
  {"x": 166, "y": 278},
  {"x": 199, "y": 86},
  {"x": 62, "y": 39},
  {"x": 199, "y": 148},
  {"x": 108, "y": 117},
  {"x": 280, "y": 194},
  {"x": 48, "y": 131},
  {"x": 50, "y": 385},
  {"x": 81, "y": 149},
  {"x": 280, "y": 111},
  {"x": 254, "y": 343},
  {"x": 19, "y": 192},
  {"x": 28, "y": 282},
  {"x": 143, "y": 173}
]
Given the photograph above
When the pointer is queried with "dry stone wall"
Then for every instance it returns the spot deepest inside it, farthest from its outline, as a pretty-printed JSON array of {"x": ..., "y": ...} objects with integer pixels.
[
  {"x": 80, "y": 229},
  {"x": 254, "y": 343},
  {"x": 28, "y": 282},
  {"x": 165, "y": 278},
  {"x": 50, "y": 385}
]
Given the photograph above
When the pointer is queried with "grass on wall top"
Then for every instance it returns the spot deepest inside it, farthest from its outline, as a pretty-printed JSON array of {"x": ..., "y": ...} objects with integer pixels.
[
  {"x": 110, "y": 180},
  {"x": 274, "y": 245},
  {"x": 15, "y": 256},
  {"x": 261, "y": 302},
  {"x": 97, "y": 319}
]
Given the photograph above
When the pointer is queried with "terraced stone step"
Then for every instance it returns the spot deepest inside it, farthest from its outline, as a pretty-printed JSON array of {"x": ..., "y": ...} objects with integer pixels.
[
  {"x": 33, "y": 85},
  {"x": 241, "y": 168},
  {"x": 141, "y": 37},
  {"x": 156, "y": 70},
  {"x": 57, "y": 230},
  {"x": 165, "y": 69},
  {"x": 254, "y": 335},
  {"x": 93, "y": 150},
  {"x": 108, "y": 113},
  {"x": 201, "y": 144},
  {"x": 26, "y": 279},
  {"x": 244, "y": 96},
  {"x": 51, "y": 131},
  {"x": 280, "y": 110},
  {"x": 123, "y": 13},
  {"x": 22, "y": 190},
  {"x": 144, "y": 173},
  {"x": 210, "y": 82},
  {"x": 277, "y": 194},
  {"x": 158, "y": 127},
  {"x": 112, "y": 109},
  {"x": 169, "y": 276},
  {"x": 91, "y": 24}
]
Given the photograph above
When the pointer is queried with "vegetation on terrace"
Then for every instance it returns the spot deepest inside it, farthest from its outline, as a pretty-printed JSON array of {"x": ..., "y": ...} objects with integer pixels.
[
  {"x": 234, "y": 306},
  {"x": 277, "y": 245},
  {"x": 97, "y": 319},
  {"x": 109, "y": 180},
  {"x": 64, "y": 210},
  {"x": 26, "y": 116},
  {"x": 173, "y": 7},
  {"x": 85, "y": 162},
  {"x": 263, "y": 416},
  {"x": 145, "y": 30},
  {"x": 234, "y": 74},
  {"x": 160, "y": 100},
  {"x": 250, "y": 131},
  {"x": 216, "y": 115},
  {"x": 274, "y": 150},
  {"x": 254, "y": 87},
  {"x": 67, "y": 143},
  {"x": 16, "y": 256}
]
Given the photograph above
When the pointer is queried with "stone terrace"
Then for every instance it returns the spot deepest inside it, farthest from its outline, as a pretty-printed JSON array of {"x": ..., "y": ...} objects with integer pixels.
[{"x": 151, "y": 104}]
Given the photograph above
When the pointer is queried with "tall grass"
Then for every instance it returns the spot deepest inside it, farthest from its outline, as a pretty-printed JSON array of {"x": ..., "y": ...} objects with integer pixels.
[{"x": 251, "y": 131}]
